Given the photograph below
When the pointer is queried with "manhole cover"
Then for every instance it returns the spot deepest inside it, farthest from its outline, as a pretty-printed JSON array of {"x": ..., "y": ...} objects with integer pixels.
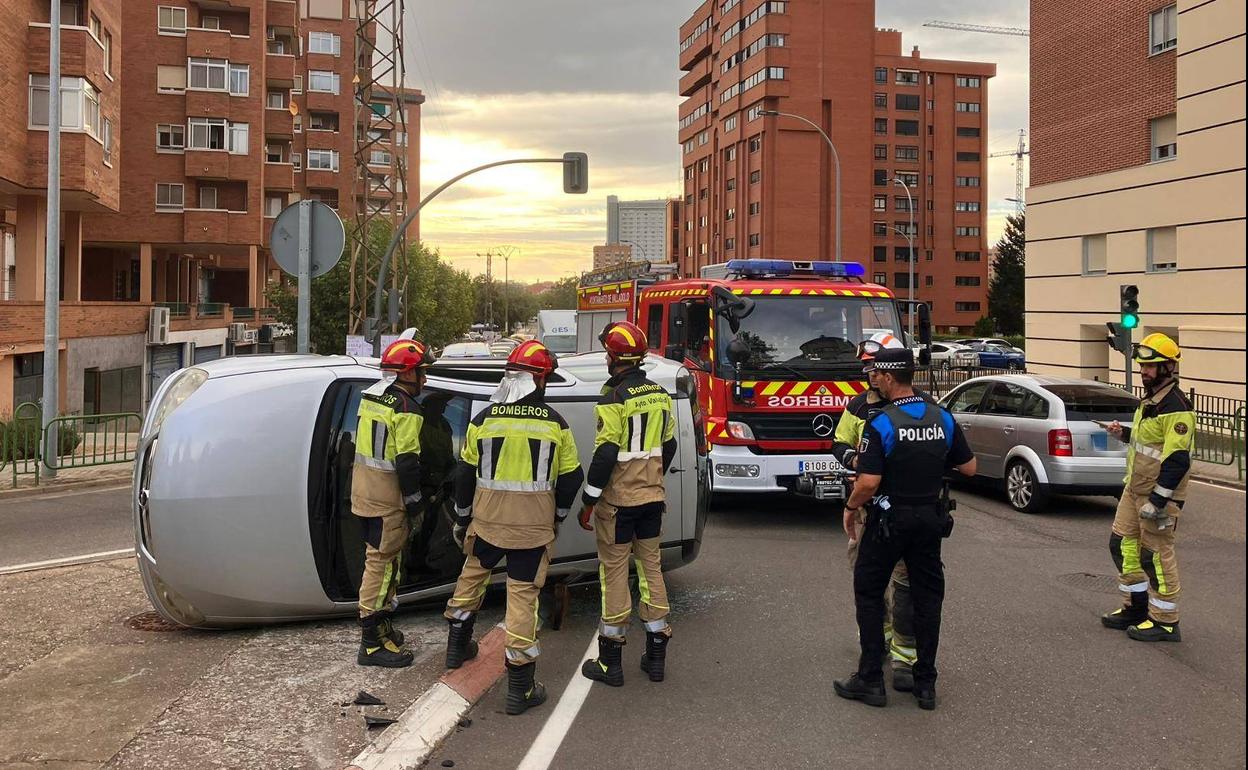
[
  {"x": 1106, "y": 584},
  {"x": 151, "y": 621}
]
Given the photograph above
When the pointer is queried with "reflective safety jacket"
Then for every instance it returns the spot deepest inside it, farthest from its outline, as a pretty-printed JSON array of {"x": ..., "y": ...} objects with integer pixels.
[
  {"x": 854, "y": 419},
  {"x": 1160, "y": 441},
  {"x": 519, "y": 470},
  {"x": 386, "y": 476},
  {"x": 636, "y": 442}
]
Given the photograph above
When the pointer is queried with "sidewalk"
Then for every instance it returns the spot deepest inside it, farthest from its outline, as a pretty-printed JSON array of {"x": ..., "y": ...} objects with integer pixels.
[
  {"x": 66, "y": 480},
  {"x": 1226, "y": 475}
]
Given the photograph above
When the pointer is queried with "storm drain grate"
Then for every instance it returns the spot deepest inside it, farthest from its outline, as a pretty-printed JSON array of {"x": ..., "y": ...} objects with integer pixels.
[
  {"x": 1106, "y": 584},
  {"x": 151, "y": 621}
]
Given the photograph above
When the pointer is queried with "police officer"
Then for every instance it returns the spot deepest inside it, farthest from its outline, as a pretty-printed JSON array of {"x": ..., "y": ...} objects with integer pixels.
[
  {"x": 385, "y": 490},
  {"x": 517, "y": 480},
  {"x": 898, "y": 610},
  {"x": 1159, "y": 464},
  {"x": 901, "y": 463},
  {"x": 624, "y": 501}
]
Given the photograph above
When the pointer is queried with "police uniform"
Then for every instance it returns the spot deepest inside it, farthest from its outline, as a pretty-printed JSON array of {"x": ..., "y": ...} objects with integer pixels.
[{"x": 909, "y": 443}]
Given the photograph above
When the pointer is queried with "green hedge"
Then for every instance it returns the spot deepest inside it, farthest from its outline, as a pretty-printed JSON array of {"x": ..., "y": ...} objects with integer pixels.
[{"x": 19, "y": 439}]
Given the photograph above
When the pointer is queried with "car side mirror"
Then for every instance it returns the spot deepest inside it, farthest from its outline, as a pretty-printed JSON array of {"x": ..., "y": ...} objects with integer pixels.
[{"x": 732, "y": 307}]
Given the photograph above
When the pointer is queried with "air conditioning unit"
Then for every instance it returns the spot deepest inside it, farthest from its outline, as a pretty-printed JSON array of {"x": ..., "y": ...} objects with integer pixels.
[
  {"x": 250, "y": 337},
  {"x": 158, "y": 326},
  {"x": 236, "y": 332}
]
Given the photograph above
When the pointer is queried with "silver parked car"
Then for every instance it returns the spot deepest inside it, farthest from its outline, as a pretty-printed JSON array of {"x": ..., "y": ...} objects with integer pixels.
[
  {"x": 1039, "y": 435},
  {"x": 242, "y": 486}
]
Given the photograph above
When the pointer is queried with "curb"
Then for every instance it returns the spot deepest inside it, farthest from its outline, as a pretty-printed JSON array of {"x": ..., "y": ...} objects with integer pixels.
[
  {"x": 63, "y": 486},
  {"x": 436, "y": 714},
  {"x": 1219, "y": 482}
]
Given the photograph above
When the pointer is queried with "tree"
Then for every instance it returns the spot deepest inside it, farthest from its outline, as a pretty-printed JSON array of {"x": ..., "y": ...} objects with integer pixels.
[
  {"x": 1006, "y": 289},
  {"x": 561, "y": 296},
  {"x": 328, "y": 308}
]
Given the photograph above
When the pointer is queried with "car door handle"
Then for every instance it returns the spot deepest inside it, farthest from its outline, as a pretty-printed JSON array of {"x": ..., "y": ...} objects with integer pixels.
[
  {"x": 965, "y": 425},
  {"x": 1008, "y": 429},
  {"x": 676, "y": 470}
]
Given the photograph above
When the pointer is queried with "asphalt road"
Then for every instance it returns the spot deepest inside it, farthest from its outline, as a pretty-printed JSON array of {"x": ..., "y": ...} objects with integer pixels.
[
  {"x": 1029, "y": 678},
  {"x": 64, "y": 524}
]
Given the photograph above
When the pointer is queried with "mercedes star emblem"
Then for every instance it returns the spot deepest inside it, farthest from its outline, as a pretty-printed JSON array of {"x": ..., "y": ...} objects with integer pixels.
[{"x": 823, "y": 425}]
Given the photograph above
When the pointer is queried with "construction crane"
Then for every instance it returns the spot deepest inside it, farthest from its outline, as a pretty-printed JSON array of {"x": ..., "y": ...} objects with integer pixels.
[
  {"x": 1018, "y": 153},
  {"x": 960, "y": 27}
]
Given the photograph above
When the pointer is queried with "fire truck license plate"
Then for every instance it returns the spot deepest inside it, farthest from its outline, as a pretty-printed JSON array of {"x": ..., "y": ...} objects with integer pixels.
[{"x": 816, "y": 466}]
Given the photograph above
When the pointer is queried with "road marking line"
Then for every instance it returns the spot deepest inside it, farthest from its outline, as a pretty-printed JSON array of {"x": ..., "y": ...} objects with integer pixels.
[
  {"x": 1228, "y": 486},
  {"x": 36, "y": 496},
  {"x": 542, "y": 752},
  {"x": 67, "y": 561}
]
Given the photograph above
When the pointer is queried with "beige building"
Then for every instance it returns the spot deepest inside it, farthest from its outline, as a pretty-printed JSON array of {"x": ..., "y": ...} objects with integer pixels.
[
  {"x": 1137, "y": 121},
  {"x": 612, "y": 254}
]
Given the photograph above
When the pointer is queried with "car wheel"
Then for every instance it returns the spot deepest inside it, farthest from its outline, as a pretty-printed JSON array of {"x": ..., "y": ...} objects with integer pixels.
[
  {"x": 946, "y": 364},
  {"x": 1022, "y": 489}
]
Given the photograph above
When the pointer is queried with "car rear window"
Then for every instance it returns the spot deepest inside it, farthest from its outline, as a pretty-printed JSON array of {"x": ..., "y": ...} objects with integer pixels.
[{"x": 1095, "y": 402}]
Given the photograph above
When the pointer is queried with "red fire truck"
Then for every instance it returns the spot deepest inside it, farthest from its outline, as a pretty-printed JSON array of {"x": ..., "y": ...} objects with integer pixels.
[{"x": 772, "y": 345}]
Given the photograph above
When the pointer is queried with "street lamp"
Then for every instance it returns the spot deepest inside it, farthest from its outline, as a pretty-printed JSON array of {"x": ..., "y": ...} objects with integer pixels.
[
  {"x": 910, "y": 252},
  {"x": 639, "y": 247},
  {"x": 836, "y": 163}
]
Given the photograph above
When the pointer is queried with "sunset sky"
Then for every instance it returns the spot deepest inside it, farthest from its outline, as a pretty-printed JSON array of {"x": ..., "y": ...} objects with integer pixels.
[{"x": 507, "y": 79}]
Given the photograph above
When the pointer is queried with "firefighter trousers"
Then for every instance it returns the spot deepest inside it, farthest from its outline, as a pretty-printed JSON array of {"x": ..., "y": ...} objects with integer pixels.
[
  {"x": 526, "y": 574},
  {"x": 384, "y": 539},
  {"x": 898, "y": 606},
  {"x": 1145, "y": 558},
  {"x": 634, "y": 530}
]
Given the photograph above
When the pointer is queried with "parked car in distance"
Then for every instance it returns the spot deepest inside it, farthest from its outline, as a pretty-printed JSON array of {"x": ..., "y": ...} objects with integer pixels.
[
  {"x": 469, "y": 349},
  {"x": 952, "y": 355},
  {"x": 1037, "y": 435},
  {"x": 985, "y": 341},
  {"x": 999, "y": 357},
  {"x": 502, "y": 348}
]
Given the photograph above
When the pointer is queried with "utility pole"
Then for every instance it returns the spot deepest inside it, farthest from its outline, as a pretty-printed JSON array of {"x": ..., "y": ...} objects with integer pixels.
[
  {"x": 910, "y": 249},
  {"x": 52, "y": 257}
]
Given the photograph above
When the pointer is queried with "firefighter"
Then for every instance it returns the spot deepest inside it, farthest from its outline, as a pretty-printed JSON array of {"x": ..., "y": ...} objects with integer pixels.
[
  {"x": 624, "y": 501},
  {"x": 385, "y": 491},
  {"x": 905, "y": 451},
  {"x": 517, "y": 480},
  {"x": 898, "y": 610},
  {"x": 1159, "y": 464}
]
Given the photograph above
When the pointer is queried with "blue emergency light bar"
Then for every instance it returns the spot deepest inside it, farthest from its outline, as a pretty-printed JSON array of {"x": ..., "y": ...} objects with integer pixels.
[{"x": 779, "y": 268}]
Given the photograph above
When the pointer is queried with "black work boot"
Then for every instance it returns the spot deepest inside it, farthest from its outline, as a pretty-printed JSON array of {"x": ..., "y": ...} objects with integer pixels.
[
  {"x": 386, "y": 626},
  {"x": 654, "y": 658},
  {"x": 1130, "y": 615},
  {"x": 459, "y": 644},
  {"x": 523, "y": 693},
  {"x": 855, "y": 688},
  {"x": 607, "y": 666},
  {"x": 377, "y": 650},
  {"x": 925, "y": 694},
  {"x": 903, "y": 677},
  {"x": 1152, "y": 631}
]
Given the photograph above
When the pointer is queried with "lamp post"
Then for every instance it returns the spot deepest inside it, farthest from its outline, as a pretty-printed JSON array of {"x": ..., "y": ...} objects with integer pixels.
[
  {"x": 836, "y": 164},
  {"x": 910, "y": 253},
  {"x": 639, "y": 247}
]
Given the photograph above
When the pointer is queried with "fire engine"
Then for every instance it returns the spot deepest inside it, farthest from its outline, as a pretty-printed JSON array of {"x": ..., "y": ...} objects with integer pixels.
[{"x": 772, "y": 345}]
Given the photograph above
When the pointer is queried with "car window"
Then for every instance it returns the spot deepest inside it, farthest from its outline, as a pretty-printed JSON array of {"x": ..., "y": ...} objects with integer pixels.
[
  {"x": 938, "y": 348},
  {"x": 1005, "y": 400},
  {"x": 1035, "y": 406},
  {"x": 967, "y": 401},
  {"x": 1095, "y": 402}
]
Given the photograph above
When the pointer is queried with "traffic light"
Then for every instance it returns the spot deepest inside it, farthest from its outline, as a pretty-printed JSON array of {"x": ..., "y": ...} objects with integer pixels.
[
  {"x": 394, "y": 304},
  {"x": 1129, "y": 306},
  {"x": 575, "y": 173},
  {"x": 371, "y": 329},
  {"x": 1119, "y": 337}
]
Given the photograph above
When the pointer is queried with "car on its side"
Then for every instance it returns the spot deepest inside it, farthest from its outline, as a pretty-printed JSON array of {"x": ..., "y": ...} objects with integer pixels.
[
  {"x": 999, "y": 357},
  {"x": 242, "y": 484},
  {"x": 1038, "y": 435}
]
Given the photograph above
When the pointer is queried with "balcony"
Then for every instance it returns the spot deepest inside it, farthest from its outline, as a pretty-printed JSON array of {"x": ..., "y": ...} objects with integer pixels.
[
  {"x": 319, "y": 101},
  {"x": 218, "y": 226},
  {"x": 215, "y": 104},
  {"x": 81, "y": 54},
  {"x": 281, "y": 13},
  {"x": 207, "y": 164},
  {"x": 208, "y": 43},
  {"x": 697, "y": 77},
  {"x": 279, "y": 66},
  {"x": 22, "y": 322},
  {"x": 279, "y": 123},
  {"x": 279, "y": 176}
]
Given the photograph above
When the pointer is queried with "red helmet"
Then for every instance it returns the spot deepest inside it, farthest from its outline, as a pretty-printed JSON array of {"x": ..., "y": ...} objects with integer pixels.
[
  {"x": 624, "y": 341},
  {"x": 877, "y": 342},
  {"x": 532, "y": 356},
  {"x": 406, "y": 355}
]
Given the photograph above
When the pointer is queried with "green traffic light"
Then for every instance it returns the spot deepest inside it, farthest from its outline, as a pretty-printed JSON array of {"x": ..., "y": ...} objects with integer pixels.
[{"x": 1130, "y": 321}]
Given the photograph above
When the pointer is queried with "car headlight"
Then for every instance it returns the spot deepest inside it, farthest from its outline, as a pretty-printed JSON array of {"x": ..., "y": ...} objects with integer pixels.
[
  {"x": 740, "y": 430},
  {"x": 185, "y": 382}
]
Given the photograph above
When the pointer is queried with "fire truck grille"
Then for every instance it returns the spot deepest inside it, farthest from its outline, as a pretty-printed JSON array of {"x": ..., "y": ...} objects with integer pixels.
[{"x": 784, "y": 427}]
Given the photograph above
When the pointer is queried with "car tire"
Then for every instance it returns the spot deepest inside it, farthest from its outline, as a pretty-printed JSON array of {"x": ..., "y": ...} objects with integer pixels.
[
  {"x": 1022, "y": 489},
  {"x": 946, "y": 364}
]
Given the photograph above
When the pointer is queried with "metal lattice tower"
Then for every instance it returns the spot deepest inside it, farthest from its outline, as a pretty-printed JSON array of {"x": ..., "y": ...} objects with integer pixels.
[
  {"x": 1020, "y": 185},
  {"x": 381, "y": 140},
  {"x": 991, "y": 30}
]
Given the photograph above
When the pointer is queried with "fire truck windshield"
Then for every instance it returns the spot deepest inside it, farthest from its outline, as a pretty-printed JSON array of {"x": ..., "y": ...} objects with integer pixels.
[{"x": 796, "y": 337}]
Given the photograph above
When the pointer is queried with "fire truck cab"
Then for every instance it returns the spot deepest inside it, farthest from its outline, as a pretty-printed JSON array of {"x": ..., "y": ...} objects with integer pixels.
[{"x": 772, "y": 345}]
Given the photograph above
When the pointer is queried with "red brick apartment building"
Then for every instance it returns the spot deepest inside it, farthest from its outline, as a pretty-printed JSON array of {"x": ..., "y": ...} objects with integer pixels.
[
  {"x": 758, "y": 186},
  {"x": 187, "y": 126}
]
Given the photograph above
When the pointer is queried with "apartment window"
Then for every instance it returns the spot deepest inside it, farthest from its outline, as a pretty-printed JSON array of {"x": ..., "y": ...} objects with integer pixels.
[
  {"x": 322, "y": 121},
  {"x": 207, "y": 134},
  {"x": 881, "y": 152},
  {"x": 755, "y": 208},
  {"x": 881, "y": 125},
  {"x": 207, "y": 74},
  {"x": 879, "y": 229},
  {"x": 966, "y": 280},
  {"x": 908, "y": 102},
  {"x": 754, "y": 112},
  {"x": 275, "y": 100},
  {"x": 966, "y": 256},
  {"x": 907, "y": 127},
  {"x": 967, "y": 81},
  {"x": 702, "y": 248},
  {"x": 210, "y": 22},
  {"x": 1163, "y": 29},
  {"x": 688, "y": 173},
  {"x": 756, "y": 143},
  {"x": 880, "y": 279},
  {"x": 724, "y": 7},
  {"x": 966, "y": 230},
  {"x": 170, "y": 136},
  {"x": 207, "y": 197},
  {"x": 693, "y": 117},
  {"x": 880, "y": 177},
  {"x": 766, "y": 73},
  {"x": 881, "y": 101},
  {"x": 240, "y": 79},
  {"x": 704, "y": 165},
  {"x": 323, "y": 82},
  {"x": 80, "y": 104},
  {"x": 879, "y": 254},
  {"x": 908, "y": 178},
  {"x": 927, "y": 279},
  {"x": 907, "y": 77},
  {"x": 901, "y": 280},
  {"x": 755, "y": 239},
  {"x": 703, "y": 194},
  {"x": 296, "y": 124},
  {"x": 1163, "y": 255},
  {"x": 296, "y": 160},
  {"x": 730, "y": 244},
  {"x": 323, "y": 160},
  {"x": 324, "y": 42},
  {"x": 966, "y": 107},
  {"x": 106, "y": 41},
  {"x": 881, "y": 74},
  {"x": 170, "y": 197},
  {"x": 239, "y": 133},
  {"x": 772, "y": 6},
  {"x": 171, "y": 19},
  {"x": 902, "y": 203},
  {"x": 170, "y": 78},
  {"x": 931, "y": 105},
  {"x": 689, "y": 202},
  {"x": 688, "y": 146},
  {"x": 880, "y": 203},
  {"x": 967, "y": 181},
  {"x": 966, "y": 206},
  {"x": 1164, "y": 138},
  {"x": 731, "y": 184},
  {"x": 297, "y": 85},
  {"x": 969, "y": 157},
  {"x": 968, "y": 131},
  {"x": 905, "y": 228},
  {"x": 756, "y": 177},
  {"x": 931, "y": 205},
  {"x": 730, "y": 124},
  {"x": 966, "y": 307},
  {"x": 704, "y": 136},
  {"x": 379, "y": 158},
  {"x": 273, "y": 205},
  {"x": 272, "y": 153},
  {"x": 94, "y": 25},
  {"x": 697, "y": 33},
  {"x": 730, "y": 214},
  {"x": 107, "y": 140}
]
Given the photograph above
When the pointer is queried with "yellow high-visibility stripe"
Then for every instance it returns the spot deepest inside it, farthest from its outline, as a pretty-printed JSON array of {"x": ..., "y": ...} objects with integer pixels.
[
  {"x": 771, "y": 388},
  {"x": 1161, "y": 573},
  {"x": 1131, "y": 555},
  {"x": 846, "y": 388},
  {"x": 800, "y": 388},
  {"x": 626, "y": 334}
]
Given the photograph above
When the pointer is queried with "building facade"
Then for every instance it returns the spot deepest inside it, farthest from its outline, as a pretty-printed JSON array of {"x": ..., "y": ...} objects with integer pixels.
[
  {"x": 612, "y": 254},
  {"x": 641, "y": 224},
  {"x": 1137, "y": 129},
  {"x": 190, "y": 126},
  {"x": 763, "y": 186}
]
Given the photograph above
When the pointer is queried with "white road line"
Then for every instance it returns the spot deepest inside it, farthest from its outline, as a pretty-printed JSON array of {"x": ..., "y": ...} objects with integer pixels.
[
  {"x": 548, "y": 741},
  {"x": 67, "y": 561},
  {"x": 1218, "y": 485},
  {"x": 36, "y": 498}
]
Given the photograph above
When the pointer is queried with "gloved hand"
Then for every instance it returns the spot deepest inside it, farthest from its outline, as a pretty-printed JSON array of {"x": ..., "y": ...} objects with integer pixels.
[
  {"x": 458, "y": 533},
  {"x": 586, "y": 517},
  {"x": 1148, "y": 511}
]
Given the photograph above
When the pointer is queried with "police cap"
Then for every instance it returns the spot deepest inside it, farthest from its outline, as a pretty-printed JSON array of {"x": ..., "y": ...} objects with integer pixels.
[{"x": 892, "y": 360}]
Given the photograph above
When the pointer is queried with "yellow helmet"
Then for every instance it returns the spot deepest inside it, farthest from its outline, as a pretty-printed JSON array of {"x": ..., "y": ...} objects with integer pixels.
[{"x": 1156, "y": 348}]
